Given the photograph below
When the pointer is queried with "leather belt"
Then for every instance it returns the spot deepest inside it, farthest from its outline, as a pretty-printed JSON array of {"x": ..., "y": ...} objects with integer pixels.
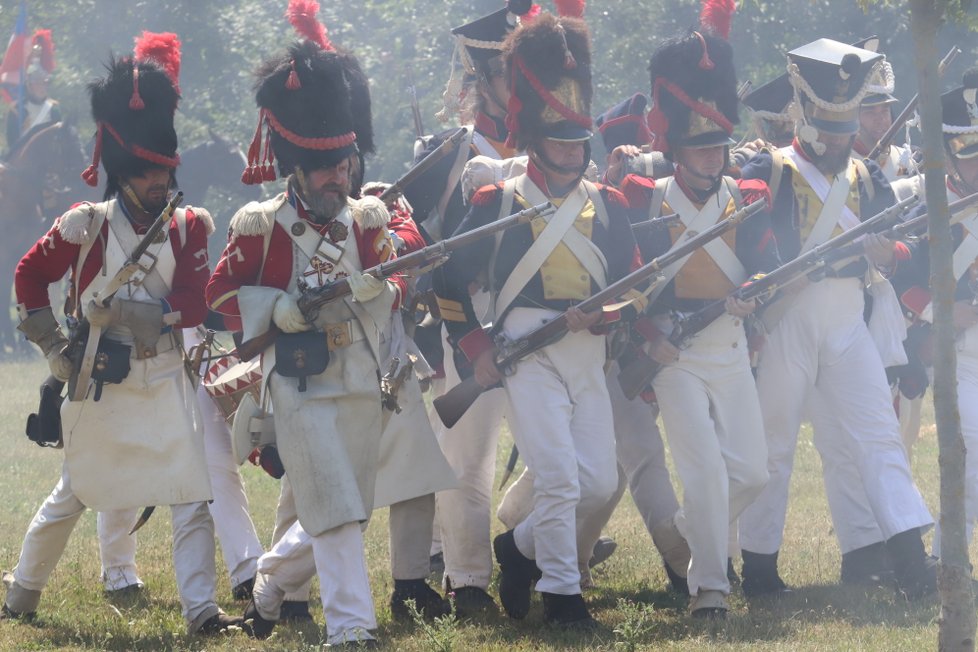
[{"x": 343, "y": 334}]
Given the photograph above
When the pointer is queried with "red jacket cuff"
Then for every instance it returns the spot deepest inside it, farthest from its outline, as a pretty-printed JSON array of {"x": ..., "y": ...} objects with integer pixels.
[{"x": 475, "y": 344}]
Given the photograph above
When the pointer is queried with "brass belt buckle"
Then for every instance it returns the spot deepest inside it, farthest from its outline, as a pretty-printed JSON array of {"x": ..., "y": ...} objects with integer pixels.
[{"x": 338, "y": 336}]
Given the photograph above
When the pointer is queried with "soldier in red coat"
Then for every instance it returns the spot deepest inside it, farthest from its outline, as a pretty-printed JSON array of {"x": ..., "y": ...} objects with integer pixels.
[{"x": 136, "y": 441}]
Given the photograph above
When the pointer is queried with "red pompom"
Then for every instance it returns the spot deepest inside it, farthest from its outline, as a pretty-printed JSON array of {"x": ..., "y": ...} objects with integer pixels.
[
  {"x": 247, "y": 176},
  {"x": 302, "y": 16},
  {"x": 268, "y": 173},
  {"x": 573, "y": 8},
  {"x": 716, "y": 16},
  {"x": 163, "y": 49},
  {"x": 42, "y": 39}
]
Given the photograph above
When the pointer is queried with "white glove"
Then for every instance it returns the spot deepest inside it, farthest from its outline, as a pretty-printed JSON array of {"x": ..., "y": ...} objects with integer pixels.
[
  {"x": 879, "y": 249},
  {"x": 103, "y": 316},
  {"x": 287, "y": 316},
  {"x": 59, "y": 365},
  {"x": 365, "y": 287}
]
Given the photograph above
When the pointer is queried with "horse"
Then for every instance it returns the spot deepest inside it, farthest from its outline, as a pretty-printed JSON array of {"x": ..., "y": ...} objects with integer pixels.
[{"x": 38, "y": 182}]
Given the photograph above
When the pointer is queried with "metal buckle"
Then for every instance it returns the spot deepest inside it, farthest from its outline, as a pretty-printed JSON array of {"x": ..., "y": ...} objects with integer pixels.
[{"x": 338, "y": 335}]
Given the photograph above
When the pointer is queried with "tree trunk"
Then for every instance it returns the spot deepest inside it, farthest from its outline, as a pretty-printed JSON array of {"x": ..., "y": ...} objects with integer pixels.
[{"x": 958, "y": 619}]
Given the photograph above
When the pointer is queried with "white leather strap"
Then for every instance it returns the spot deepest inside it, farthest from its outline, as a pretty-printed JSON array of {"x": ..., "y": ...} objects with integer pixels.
[
  {"x": 557, "y": 226},
  {"x": 833, "y": 197},
  {"x": 694, "y": 220}
]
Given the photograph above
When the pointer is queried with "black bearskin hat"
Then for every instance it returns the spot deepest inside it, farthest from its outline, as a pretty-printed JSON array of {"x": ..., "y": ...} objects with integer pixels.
[
  {"x": 548, "y": 64},
  {"x": 694, "y": 92},
  {"x": 133, "y": 108},
  {"x": 314, "y": 101},
  {"x": 960, "y": 113}
]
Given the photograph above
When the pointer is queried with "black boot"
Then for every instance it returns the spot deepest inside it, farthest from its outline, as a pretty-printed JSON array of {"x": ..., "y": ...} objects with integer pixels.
[
  {"x": 916, "y": 573},
  {"x": 294, "y": 611},
  {"x": 603, "y": 549},
  {"x": 6, "y": 613},
  {"x": 470, "y": 601},
  {"x": 254, "y": 625},
  {"x": 426, "y": 600},
  {"x": 243, "y": 591},
  {"x": 567, "y": 611},
  {"x": 866, "y": 566},
  {"x": 516, "y": 574},
  {"x": 760, "y": 575},
  {"x": 677, "y": 583},
  {"x": 220, "y": 622},
  {"x": 732, "y": 575}
]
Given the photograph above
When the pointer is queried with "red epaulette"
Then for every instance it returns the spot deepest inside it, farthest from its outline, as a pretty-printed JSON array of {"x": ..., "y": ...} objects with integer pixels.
[
  {"x": 637, "y": 190},
  {"x": 754, "y": 190},
  {"x": 486, "y": 195}
]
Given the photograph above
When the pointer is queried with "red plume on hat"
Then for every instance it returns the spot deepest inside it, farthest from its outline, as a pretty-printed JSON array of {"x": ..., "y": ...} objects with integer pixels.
[
  {"x": 164, "y": 50},
  {"x": 574, "y": 8},
  {"x": 302, "y": 15},
  {"x": 716, "y": 16},
  {"x": 42, "y": 40}
]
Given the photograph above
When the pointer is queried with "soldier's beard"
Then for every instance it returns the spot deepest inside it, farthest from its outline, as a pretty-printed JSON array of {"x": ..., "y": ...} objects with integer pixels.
[
  {"x": 833, "y": 161},
  {"x": 326, "y": 203}
]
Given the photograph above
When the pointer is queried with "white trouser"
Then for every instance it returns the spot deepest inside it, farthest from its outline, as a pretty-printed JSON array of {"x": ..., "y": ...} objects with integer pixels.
[
  {"x": 642, "y": 468},
  {"x": 464, "y": 514},
  {"x": 193, "y": 550},
  {"x": 236, "y": 533},
  {"x": 240, "y": 546},
  {"x": 410, "y": 537},
  {"x": 967, "y": 350},
  {"x": 117, "y": 548},
  {"x": 852, "y": 516},
  {"x": 437, "y": 389},
  {"x": 337, "y": 557},
  {"x": 642, "y": 455},
  {"x": 286, "y": 516},
  {"x": 822, "y": 342},
  {"x": 562, "y": 423},
  {"x": 713, "y": 423}
]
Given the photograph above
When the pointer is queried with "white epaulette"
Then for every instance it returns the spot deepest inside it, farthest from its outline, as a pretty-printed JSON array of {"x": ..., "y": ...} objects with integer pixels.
[
  {"x": 369, "y": 213},
  {"x": 204, "y": 216},
  {"x": 257, "y": 218},
  {"x": 74, "y": 226}
]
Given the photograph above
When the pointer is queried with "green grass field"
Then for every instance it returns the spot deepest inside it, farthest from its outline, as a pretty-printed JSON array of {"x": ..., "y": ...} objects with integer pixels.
[{"x": 630, "y": 596}]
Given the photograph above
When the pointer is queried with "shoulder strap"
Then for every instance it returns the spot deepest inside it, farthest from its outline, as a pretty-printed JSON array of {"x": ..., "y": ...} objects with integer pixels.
[
  {"x": 862, "y": 172},
  {"x": 734, "y": 191},
  {"x": 600, "y": 210},
  {"x": 777, "y": 170},
  {"x": 98, "y": 219},
  {"x": 658, "y": 197}
]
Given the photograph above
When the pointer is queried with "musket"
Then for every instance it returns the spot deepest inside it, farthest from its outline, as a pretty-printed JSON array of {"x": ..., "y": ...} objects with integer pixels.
[
  {"x": 453, "y": 404},
  {"x": 312, "y": 300},
  {"x": 139, "y": 260},
  {"x": 396, "y": 189},
  {"x": 415, "y": 107},
  {"x": 638, "y": 372},
  {"x": 904, "y": 115},
  {"x": 655, "y": 223}
]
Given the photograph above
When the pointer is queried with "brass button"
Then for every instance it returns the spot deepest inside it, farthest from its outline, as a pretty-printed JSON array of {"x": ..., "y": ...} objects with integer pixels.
[{"x": 734, "y": 345}]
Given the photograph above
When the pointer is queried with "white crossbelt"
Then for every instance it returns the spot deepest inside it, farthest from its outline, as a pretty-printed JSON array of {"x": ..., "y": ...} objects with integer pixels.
[
  {"x": 695, "y": 222},
  {"x": 833, "y": 197}
]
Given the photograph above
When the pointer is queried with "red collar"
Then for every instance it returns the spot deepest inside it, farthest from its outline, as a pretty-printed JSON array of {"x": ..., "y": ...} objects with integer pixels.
[
  {"x": 801, "y": 150},
  {"x": 692, "y": 194},
  {"x": 300, "y": 209},
  {"x": 537, "y": 176}
]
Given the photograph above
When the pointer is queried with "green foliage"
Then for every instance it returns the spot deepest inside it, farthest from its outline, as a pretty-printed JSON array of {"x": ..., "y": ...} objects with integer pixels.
[
  {"x": 635, "y": 626},
  {"x": 442, "y": 632},
  {"x": 224, "y": 41}
]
